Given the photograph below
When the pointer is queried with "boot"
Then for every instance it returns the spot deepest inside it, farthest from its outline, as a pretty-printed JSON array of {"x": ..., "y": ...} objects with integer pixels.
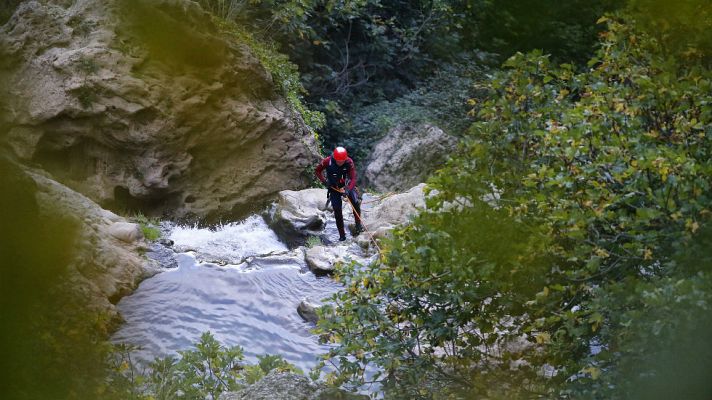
[{"x": 356, "y": 229}]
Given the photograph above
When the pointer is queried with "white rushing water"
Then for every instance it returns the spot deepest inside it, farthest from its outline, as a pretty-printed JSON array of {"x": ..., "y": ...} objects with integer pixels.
[
  {"x": 252, "y": 304},
  {"x": 229, "y": 243}
]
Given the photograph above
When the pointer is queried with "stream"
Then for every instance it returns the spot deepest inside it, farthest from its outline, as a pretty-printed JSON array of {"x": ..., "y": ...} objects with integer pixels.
[{"x": 237, "y": 281}]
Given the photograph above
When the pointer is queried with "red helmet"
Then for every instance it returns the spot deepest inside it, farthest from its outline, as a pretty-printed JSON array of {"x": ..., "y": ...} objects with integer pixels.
[{"x": 340, "y": 154}]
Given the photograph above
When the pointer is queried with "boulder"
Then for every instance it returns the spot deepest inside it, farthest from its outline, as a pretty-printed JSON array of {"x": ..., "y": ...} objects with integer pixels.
[
  {"x": 393, "y": 211},
  {"x": 406, "y": 156},
  {"x": 308, "y": 310},
  {"x": 323, "y": 259},
  {"x": 106, "y": 263},
  {"x": 147, "y": 105},
  {"x": 298, "y": 214},
  {"x": 126, "y": 231},
  {"x": 289, "y": 386}
]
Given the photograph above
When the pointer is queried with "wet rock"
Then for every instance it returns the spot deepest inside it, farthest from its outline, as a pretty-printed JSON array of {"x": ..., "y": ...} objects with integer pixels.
[
  {"x": 147, "y": 105},
  {"x": 298, "y": 215},
  {"x": 406, "y": 156},
  {"x": 288, "y": 386},
  {"x": 293, "y": 216},
  {"x": 126, "y": 231},
  {"x": 278, "y": 259},
  {"x": 164, "y": 256},
  {"x": 364, "y": 242},
  {"x": 308, "y": 310},
  {"x": 323, "y": 259}
]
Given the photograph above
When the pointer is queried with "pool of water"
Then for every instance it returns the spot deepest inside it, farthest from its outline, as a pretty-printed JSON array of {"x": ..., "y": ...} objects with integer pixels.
[{"x": 246, "y": 294}]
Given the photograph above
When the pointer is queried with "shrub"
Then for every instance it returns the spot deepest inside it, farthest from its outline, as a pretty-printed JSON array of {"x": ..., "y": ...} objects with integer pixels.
[
  {"x": 149, "y": 227},
  {"x": 442, "y": 100},
  {"x": 284, "y": 72},
  {"x": 203, "y": 372},
  {"x": 590, "y": 253}
]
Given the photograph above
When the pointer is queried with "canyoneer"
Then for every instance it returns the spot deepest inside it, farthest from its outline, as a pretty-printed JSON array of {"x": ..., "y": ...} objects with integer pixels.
[{"x": 340, "y": 181}]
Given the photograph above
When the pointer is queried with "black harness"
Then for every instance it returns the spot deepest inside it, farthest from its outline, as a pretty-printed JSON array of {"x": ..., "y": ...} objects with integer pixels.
[{"x": 337, "y": 175}]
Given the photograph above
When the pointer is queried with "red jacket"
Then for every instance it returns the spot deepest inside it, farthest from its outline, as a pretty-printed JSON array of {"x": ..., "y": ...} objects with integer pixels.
[{"x": 337, "y": 176}]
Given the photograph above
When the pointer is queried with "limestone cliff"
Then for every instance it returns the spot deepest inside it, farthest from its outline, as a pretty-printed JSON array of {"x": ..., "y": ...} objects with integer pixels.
[{"x": 146, "y": 105}]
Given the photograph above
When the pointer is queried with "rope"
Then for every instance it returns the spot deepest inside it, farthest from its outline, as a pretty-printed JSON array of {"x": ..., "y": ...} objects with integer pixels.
[
  {"x": 380, "y": 252},
  {"x": 380, "y": 198}
]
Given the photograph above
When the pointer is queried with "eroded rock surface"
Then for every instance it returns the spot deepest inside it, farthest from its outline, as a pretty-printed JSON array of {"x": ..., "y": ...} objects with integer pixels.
[
  {"x": 307, "y": 309},
  {"x": 104, "y": 267},
  {"x": 298, "y": 214},
  {"x": 323, "y": 259},
  {"x": 407, "y": 156},
  {"x": 394, "y": 210},
  {"x": 147, "y": 105}
]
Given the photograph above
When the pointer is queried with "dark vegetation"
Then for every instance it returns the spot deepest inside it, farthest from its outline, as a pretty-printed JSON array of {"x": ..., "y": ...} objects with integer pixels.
[
  {"x": 566, "y": 254},
  {"x": 588, "y": 276},
  {"x": 359, "y": 56},
  {"x": 7, "y": 8}
]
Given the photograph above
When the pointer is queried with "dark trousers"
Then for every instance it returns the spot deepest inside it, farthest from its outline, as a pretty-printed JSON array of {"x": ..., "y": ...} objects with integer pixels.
[{"x": 337, "y": 204}]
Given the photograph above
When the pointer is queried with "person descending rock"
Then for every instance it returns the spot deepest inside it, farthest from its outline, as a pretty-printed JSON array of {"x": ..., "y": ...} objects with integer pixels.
[{"x": 340, "y": 181}]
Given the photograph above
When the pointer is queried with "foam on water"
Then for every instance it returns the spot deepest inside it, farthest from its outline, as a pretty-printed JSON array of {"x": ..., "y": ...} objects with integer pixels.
[{"x": 231, "y": 243}]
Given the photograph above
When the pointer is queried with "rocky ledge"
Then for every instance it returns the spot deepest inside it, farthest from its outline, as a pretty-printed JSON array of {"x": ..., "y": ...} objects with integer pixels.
[
  {"x": 299, "y": 215},
  {"x": 104, "y": 261}
]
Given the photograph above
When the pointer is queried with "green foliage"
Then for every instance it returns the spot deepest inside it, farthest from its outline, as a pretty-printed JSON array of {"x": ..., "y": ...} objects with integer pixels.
[
  {"x": 682, "y": 29},
  {"x": 566, "y": 30},
  {"x": 149, "y": 227},
  {"x": 564, "y": 223},
  {"x": 210, "y": 369},
  {"x": 86, "y": 96},
  {"x": 87, "y": 65},
  {"x": 440, "y": 307},
  {"x": 224, "y": 9},
  {"x": 313, "y": 241},
  {"x": 267, "y": 363},
  {"x": 360, "y": 59},
  {"x": 7, "y": 8},
  {"x": 203, "y": 372},
  {"x": 284, "y": 72},
  {"x": 357, "y": 53},
  {"x": 615, "y": 159}
]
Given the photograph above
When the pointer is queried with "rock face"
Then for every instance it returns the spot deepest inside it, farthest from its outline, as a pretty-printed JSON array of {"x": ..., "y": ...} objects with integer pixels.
[
  {"x": 394, "y": 210},
  {"x": 288, "y": 386},
  {"x": 406, "y": 156},
  {"x": 298, "y": 214},
  {"x": 147, "y": 104},
  {"x": 105, "y": 267}
]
